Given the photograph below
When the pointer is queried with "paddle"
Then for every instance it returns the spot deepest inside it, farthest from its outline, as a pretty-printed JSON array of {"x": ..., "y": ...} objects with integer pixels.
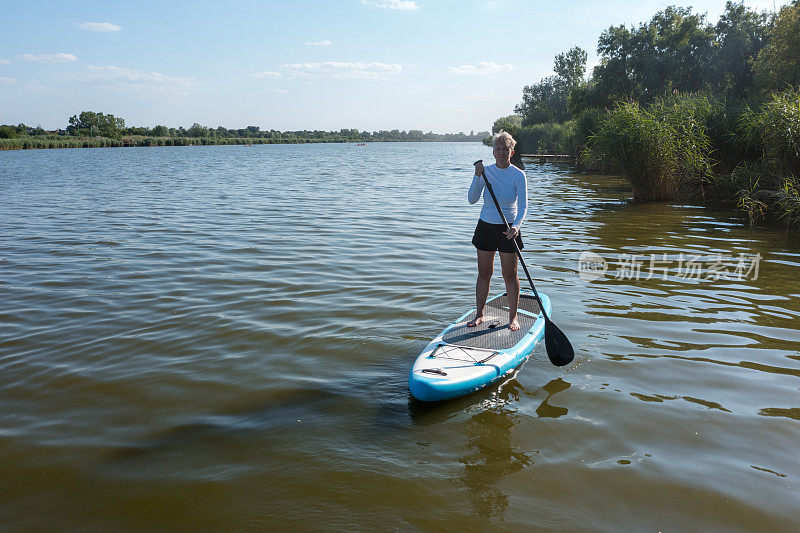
[{"x": 559, "y": 349}]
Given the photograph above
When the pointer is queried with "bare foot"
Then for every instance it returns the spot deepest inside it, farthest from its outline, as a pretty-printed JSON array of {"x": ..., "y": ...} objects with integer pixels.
[
  {"x": 514, "y": 324},
  {"x": 477, "y": 320}
]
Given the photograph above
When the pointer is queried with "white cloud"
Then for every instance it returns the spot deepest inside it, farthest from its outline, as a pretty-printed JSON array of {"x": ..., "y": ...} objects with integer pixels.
[
  {"x": 267, "y": 74},
  {"x": 481, "y": 69},
  {"x": 4, "y": 61},
  {"x": 8, "y": 81},
  {"x": 321, "y": 44},
  {"x": 47, "y": 58},
  {"x": 338, "y": 69},
  {"x": 494, "y": 5},
  {"x": 132, "y": 80},
  {"x": 99, "y": 26},
  {"x": 406, "y": 5},
  {"x": 280, "y": 91}
]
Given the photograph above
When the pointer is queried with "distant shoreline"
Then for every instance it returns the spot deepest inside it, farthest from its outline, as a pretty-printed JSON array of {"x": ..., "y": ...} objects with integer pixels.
[{"x": 37, "y": 143}]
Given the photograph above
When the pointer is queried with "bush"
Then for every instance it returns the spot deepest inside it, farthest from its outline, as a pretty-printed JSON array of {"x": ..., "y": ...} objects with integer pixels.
[
  {"x": 744, "y": 182},
  {"x": 586, "y": 125},
  {"x": 775, "y": 132},
  {"x": 11, "y": 144},
  {"x": 551, "y": 138},
  {"x": 657, "y": 148},
  {"x": 789, "y": 202},
  {"x": 8, "y": 132},
  {"x": 730, "y": 147}
]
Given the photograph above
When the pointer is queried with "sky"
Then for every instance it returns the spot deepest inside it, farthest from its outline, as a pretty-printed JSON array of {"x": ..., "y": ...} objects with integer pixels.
[{"x": 435, "y": 65}]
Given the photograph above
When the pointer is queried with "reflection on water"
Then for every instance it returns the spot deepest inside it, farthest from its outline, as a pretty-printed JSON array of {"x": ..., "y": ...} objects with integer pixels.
[
  {"x": 491, "y": 457},
  {"x": 793, "y": 413},
  {"x": 545, "y": 410}
]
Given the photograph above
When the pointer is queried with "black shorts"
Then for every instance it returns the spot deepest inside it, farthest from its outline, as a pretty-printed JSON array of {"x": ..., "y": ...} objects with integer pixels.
[{"x": 491, "y": 238}]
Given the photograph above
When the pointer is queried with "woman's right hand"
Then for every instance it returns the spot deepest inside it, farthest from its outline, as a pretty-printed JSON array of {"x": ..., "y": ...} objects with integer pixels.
[{"x": 478, "y": 168}]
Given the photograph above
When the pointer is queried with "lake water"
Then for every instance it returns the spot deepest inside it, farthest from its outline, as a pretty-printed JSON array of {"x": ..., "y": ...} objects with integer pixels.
[{"x": 219, "y": 338}]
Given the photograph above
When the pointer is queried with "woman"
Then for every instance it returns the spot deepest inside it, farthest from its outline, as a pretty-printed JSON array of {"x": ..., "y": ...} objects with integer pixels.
[{"x": 509, "y": 186}]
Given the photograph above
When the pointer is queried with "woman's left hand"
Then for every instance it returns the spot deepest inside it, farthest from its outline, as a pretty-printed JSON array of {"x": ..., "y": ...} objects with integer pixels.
[{"x": 511, "y": 233}]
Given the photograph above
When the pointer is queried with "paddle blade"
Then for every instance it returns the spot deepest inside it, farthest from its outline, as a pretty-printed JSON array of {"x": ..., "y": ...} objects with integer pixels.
[{"x": 559, "y": 349}]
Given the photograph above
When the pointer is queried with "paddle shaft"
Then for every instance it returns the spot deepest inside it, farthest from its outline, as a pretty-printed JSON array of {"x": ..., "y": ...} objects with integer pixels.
[{"x": 516, "y": 247}]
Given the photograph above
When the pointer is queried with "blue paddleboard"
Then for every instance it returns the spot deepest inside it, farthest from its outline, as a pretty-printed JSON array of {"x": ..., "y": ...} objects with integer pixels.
[{"x": 462, "y": 360}]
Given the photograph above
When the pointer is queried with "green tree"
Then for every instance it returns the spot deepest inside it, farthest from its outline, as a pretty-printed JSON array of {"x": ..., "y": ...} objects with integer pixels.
[
  {"x": 614, "y": 76},
  {"x": 415, "y": 135},
  {"x": 778, "y": 63},
  {"x": 546, "y": 101},
  {"x": 671, "y": 52},
  {"x": 571, "y": 66},
  {"x": 741, "y": 33},
  {"x": 8, "y": 132},
  {"x": 512, "y": 124},
  {"x": 138, "y": 130},
  {"x": 160, "y": 131},
  {"x": 91, "y": 123},
  {"x": 197, "y": 131}
]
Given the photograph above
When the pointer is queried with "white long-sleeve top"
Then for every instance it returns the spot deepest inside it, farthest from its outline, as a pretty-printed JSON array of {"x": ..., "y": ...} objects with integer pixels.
[{"x": 510, "y": 188}]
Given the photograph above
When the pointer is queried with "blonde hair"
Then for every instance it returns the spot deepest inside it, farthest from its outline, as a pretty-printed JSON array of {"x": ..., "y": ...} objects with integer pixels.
[{"x": 505, "y": 137}]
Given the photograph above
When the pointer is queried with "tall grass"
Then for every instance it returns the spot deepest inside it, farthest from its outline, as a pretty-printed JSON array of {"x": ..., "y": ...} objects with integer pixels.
[
  {"x": 730, "y": 147},
  {"x": 775, "y": 130},
  {"x": 586, "y": 125},
  {"x": 658, "y": 148},
  {"x": 788, "y": 203},
  {"x": 765, "y": 182},
  {"x": 549, "y": 138},
  {"x": 748, "y": 194},
  {"x": 57, "y": 141}
]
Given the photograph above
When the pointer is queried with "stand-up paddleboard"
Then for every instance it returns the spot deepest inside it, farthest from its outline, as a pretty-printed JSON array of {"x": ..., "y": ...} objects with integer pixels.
[{"x": 462, "y": 360}]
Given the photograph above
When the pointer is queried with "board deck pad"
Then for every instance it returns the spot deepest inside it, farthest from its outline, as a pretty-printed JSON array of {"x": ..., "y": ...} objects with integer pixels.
[
  {"x": 486, "y": 337},
  {"x": 527, "y": 302}
]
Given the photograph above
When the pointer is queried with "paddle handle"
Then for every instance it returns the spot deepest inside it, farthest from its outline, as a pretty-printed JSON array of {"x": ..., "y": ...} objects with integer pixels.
[{"x": 514, "y": 241}]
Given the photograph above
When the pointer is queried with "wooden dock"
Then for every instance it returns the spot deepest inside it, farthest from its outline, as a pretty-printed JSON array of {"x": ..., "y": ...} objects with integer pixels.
[{"x": 552, "y": 158}]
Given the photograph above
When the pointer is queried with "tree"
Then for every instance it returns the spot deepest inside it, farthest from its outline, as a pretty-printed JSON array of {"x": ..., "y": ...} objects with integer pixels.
[
  {"x": 672, "y": 52},
  {"x": 546, "y": 101},
  {"x": 778, "y": 63},
  {"x": 91, "y": 123},
  {"x": 571, "y": 66},
  {"x": 138, "y": 130},
  {"x": 415, "y": 135},
  {"x": 8, "y": 132},
  {"x": 678, "y": 50},
  {"x": 511, "y": 124},
  {"x": 741, "y": 33},
  {"x": 614, "y": 76},
  {"x": 160, "y": 131},
  {"x": 197, "y": 131}
]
